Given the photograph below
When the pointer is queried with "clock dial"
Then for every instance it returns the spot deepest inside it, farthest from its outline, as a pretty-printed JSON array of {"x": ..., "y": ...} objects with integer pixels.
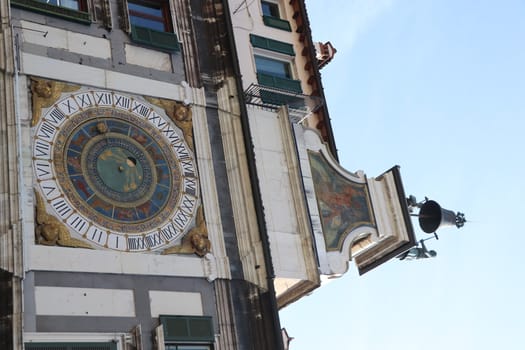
[{"x": 116, "y": 171}]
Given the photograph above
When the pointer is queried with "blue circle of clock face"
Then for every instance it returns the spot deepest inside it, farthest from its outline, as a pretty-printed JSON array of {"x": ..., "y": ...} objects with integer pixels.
[
  {"x": 120, "y": 169},
  {"x": 117, "y": 170}
]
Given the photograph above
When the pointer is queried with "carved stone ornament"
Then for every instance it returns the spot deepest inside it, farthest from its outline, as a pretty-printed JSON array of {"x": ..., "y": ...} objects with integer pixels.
[
  {"x": 181, "y": 116},
  {"x": 50, "y": 231},
  {"x": 196, "y": 241},
  {"x": 45, "y": 93}
]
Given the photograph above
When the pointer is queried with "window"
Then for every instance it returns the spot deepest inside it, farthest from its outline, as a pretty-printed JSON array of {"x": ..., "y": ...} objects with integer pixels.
[
  {"x": 75, "y": 10},
  {"x": 186, "y": 332},
  {"x": 273, "y": 63},
  {"x": 70, "y": 4},
  {"x": 276, "y": 73},
  {"x": 272, "y": 16},
  {"x": 71, "y": 346},
  {"x": 270, "y": 9},
  {"x": 150, "y": 24},
  {"x": 150, "y": 14},
  {"x": 273, "y": 67}
]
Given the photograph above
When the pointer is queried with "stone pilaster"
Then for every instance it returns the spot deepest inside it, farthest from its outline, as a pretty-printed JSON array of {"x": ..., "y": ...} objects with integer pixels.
[{"x": 11, "y": 268}]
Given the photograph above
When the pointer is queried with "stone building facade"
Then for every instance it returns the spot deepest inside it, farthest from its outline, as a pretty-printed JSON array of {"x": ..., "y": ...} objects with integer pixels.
[{"x": 170, "y": 175}]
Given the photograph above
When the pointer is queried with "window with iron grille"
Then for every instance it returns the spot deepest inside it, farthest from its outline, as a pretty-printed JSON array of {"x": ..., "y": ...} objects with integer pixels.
[{"x": 274, "y": 68}]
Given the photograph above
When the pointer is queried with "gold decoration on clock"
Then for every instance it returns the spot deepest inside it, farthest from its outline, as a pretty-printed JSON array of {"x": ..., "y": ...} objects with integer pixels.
[
  {"x": 181, "y": 115},
  {"x": 114, "y": 171},
  {"x": 196, "y": 241},
  {"x": 50, "y": 231},
  {"x": 45, "y": 93}
]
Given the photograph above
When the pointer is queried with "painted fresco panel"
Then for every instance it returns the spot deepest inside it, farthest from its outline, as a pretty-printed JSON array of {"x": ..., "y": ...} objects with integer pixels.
[{"x": 343, "y": 204}]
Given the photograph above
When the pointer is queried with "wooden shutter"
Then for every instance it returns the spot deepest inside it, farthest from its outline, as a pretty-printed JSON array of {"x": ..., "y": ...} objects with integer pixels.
[
  {"x": 163, "y": 40},
  {"x": 71, "y": 346},
  {"x": 187, "y": 328},
  {"x": 272, "y": 45}
]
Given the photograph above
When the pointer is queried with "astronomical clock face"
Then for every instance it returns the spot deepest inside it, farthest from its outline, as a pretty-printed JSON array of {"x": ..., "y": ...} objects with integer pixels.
[{"x": 115, "y": 170}]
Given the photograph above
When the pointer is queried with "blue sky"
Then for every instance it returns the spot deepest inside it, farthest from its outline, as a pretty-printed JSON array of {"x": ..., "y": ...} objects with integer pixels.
[{"x": 437, "y": 87}]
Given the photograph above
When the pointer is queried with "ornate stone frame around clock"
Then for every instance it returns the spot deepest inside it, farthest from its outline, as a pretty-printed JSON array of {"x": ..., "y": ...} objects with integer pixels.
[{"x": 51, "y": 231}]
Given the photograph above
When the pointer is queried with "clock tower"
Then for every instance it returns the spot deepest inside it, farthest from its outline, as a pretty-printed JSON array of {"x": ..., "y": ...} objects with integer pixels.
[{"x": 171, "y": 177}]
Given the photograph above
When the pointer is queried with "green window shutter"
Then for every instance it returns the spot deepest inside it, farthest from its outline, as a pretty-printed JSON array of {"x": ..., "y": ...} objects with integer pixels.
[
  {"x": 276, "y": 98},
  {"x": 272, "y": 45},
  {"x": 53, "y": 10},
  {"x": 266, "y": 79},
  {"x": 279, "y": 99},
  {"x": 273, "y": 98},
  {"x": 277, "y": 23},
  {"x": 71, "y": 346},
  {"x": 163, "y": 40},
  {"x": 279, "y": 83},
  {"x": 187, "y": 328},
  {"x": 201, "y": 328},
  {"x": 288, "y": 84}
]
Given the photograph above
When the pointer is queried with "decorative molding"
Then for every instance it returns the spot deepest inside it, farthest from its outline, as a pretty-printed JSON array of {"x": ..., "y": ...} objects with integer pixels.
[
  {"x": 344, "y": 201},
  {"x": 335, "y": 262},
  {"x": 45, "y": 337},
  {"x": 44, "y": 258},
  {"x": 106, "y": 13},
  {"x": 369, "y": 244},
  {"x": 226, "y": 334},
  {"x": 248, "y": 238},
  {"x": 189, "y": 94},
  {"x": 184, "y": 27},
  {"x": 210, "y": 265},
  {"x": 395, "y": 231},
  {"x": 125, "y": 23},
  {"x": 45, "y": 67},
  {"x": 208, "y": 185},
  {"x": 312, "y": 279}
]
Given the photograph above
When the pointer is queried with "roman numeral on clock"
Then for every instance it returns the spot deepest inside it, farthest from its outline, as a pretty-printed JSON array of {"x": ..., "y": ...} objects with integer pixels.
[
  {"x": 62, "y": 207},
  {"x": 42, "y": 149},
  {"x": 78, "y": 223}
]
